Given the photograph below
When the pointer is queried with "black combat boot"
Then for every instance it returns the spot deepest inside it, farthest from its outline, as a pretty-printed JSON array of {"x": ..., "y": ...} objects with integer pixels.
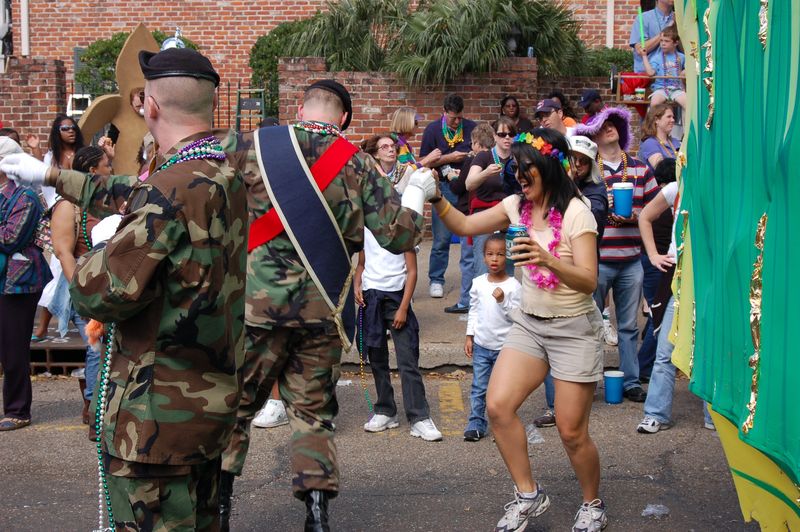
[
  {"x": 225, "y": 505},
  {"x": 317, "y": 511}
]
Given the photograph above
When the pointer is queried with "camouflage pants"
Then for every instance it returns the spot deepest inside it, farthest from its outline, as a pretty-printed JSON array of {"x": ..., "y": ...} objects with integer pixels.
[
  {"x": 305, "y": 363},
  {"x": 155, "y": 497}
]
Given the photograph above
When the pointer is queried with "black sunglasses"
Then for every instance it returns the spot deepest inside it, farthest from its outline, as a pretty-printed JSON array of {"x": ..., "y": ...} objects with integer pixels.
[
  {"x": 503, "y": 134},
  {"x": 67, "y": 128}
]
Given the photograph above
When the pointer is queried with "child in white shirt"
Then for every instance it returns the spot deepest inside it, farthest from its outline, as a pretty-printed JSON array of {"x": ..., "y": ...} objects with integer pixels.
[{"x": 492, "y": 297}]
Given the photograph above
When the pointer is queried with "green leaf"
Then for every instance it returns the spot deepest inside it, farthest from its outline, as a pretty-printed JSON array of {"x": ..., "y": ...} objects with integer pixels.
[{"x": 97, "y": 74}]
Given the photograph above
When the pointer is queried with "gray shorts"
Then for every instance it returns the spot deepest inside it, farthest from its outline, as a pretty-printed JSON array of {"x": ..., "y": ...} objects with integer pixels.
[{"x": 571, "y": 346}]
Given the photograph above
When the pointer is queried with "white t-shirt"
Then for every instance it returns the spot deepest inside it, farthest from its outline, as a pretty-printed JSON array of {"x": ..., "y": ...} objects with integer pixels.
[
  {"x": 670, "y": 191},
  {"x": 563, "y": 301},
  {"x": 49, "y": 193},
  {"x": 383, "y": 270},
  {"x": 488, "y": 320}
]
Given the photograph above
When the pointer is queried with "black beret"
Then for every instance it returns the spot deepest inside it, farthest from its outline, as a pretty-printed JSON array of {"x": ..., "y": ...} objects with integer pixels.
[
  {"x": 175, "y": 62},
  {"x": 339, "y": 90}
]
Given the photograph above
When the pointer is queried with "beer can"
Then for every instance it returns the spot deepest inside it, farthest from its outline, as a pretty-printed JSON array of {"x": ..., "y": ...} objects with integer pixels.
[{"x": 514, "y": 231}]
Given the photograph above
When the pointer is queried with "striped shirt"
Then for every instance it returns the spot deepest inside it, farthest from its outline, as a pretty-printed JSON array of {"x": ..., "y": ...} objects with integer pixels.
[{"x": 624, "y": 243}]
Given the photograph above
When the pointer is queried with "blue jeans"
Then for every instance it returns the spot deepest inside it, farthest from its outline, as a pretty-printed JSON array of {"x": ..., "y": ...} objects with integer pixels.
[
  {"x": 466, "y": 265},
  {"x": 706, "y": 414},
  {"x": 662, "y": 382},
  {"x": 647, "y": 351},
  {"x": 92, "y": 356},
  {"x": 625, "y": 278},
  {"x": 482, "y": 363},
  {"x": 440, "y": 250},
  {"x": 549, "y": 391}
]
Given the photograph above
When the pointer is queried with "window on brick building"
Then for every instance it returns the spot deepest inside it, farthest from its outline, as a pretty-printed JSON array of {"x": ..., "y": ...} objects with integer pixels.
[
  {"x": 76, "y": 61},
  {"x": 6, "y": 43}
]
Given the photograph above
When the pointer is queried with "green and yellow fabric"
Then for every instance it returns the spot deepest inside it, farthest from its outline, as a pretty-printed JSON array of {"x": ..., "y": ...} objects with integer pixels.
[{"x": 738, "y": 301}]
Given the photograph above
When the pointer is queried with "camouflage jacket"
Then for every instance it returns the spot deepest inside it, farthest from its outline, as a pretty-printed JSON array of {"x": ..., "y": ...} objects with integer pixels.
[
  {"x": 279, "y": 290},
  {"x": 172, "y": 279}
]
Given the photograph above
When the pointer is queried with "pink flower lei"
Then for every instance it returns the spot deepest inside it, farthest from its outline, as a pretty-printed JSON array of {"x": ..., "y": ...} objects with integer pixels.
[{"x": 547, "y": 281}]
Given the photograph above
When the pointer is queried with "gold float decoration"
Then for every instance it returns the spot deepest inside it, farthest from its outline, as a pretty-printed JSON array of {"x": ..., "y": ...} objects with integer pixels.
[
  {"x": 708, "y": 81},
  {"x": 756, "y": 292},
  {"x": 694, "y": 54},
  {"x": 763, "y": 23},
  {"x": 679, "y": 261}
]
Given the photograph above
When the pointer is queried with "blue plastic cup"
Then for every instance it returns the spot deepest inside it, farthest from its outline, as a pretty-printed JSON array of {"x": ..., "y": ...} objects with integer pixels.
[
  {"x": 623, "y": 199},
  {"x": 613, "y": 386}
]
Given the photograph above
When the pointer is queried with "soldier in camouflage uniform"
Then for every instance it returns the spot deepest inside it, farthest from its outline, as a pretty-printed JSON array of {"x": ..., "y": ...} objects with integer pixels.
[
  {"x": 172, "y": 280},
  {"x": 291, "y": 337}
]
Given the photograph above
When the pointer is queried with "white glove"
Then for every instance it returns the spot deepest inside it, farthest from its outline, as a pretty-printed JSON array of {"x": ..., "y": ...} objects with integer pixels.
[
  {"x": 421, "y": 187},
  {"x": 423, "y": 178},
  {"x": 24, "y": 169},
  {"x": 105, "y": 228}
]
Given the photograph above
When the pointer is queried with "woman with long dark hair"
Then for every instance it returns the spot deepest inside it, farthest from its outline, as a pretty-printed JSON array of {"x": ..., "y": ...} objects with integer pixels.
[
  {"x": 65, "y": 140},
  {"x": 71, "y": 235},
  {"x": 557, "y": 328}
]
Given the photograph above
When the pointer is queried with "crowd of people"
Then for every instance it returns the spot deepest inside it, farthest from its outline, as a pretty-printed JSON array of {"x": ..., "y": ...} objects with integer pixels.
[{"x": 179, "y": 306}]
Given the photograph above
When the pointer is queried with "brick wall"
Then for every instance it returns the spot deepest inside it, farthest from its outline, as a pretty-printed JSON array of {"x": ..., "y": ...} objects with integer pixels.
[
  {"x": 224, "y": 29},
  {"x": 592, "y": 16},
  {"x": 32, "y": 92},
  {"x": 376, "y": 95}
]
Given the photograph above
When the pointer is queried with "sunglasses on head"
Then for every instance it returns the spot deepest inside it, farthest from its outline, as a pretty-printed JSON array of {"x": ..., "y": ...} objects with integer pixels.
[
  {"x": 67, "y": 128},
  {"x": 503, "y": 134}
]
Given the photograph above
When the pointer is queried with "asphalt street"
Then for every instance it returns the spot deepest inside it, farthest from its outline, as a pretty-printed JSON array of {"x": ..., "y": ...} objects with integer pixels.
[{"x": 391, "y": 481}]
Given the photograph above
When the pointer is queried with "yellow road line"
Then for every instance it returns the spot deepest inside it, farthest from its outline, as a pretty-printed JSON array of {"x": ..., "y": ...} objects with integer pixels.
[
  {"x": 451, "y": 409},
  {"x": 59, "y": 428}
]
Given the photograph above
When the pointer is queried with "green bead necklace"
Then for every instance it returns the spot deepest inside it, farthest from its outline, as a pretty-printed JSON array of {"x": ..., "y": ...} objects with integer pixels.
[
  {"x": 87, "y": 240},
  {"x": 103, "y": 496}
]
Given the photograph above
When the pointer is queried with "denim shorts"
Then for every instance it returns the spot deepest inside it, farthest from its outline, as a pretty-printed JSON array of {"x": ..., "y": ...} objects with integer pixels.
[{"x": 571, "y": 346}]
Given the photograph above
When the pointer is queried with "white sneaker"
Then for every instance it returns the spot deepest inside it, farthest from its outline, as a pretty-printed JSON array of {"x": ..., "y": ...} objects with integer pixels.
[
  {"x": 272, "y": 415},
  {"x": 521, "y": 509},
  {"x": 426, "y": 430},
  {"x": 651, "y": 425},
  {"x": 436, "y": 290},
  {"x": 379, "y": 423},
  {"x": 591, "y": 517},
  {"x": 609, "y": 333}
]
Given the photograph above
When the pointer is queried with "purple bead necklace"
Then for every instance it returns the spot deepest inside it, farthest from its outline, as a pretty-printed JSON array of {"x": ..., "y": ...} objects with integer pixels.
[{"x": 205, "y": 148}]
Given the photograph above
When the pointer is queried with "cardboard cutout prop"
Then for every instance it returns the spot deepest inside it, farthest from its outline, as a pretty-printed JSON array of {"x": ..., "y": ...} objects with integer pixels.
[{"x": 117, "y": 109}]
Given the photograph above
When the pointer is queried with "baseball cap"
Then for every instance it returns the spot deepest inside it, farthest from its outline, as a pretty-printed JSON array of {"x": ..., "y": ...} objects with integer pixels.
[
  {"x": 587, "y": 97},
  {"x": 547, "y": 106}
]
